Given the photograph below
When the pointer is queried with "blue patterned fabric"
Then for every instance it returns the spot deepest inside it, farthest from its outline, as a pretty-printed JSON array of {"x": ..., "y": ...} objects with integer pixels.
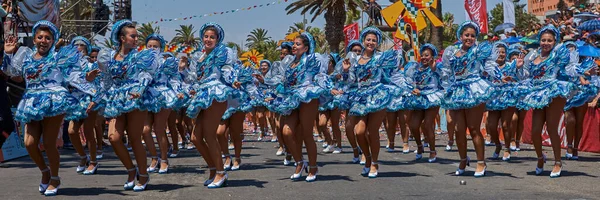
[
  {"x": 367, "y": 92},
  {"x": 132, "y": 75},
  {"x": 463, "y": 76},
  {"x": 85, "y": 97},
  {"x": 583, "y": 93},
  {"x": 46, "y": 80},
  {"x": 267, "y": 88},
  {"x": 165, "y": 86},
  {"x": 428, "y": 81},
  {"x": 212, "y": 75},
  {"x": 300, "y": 84},
  {"x": 243, "y": 98},
  {"x": 542, "y": 78}
]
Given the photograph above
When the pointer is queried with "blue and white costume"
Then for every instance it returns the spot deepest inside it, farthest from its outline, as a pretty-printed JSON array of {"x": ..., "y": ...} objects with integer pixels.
[
  {"x": 46, "y": 79},
  {"x": 583, "y": 93},
  {"x": 132, "y": 75},
  {"x": 303, "y": 83},
  {"x": 244, "y": 97},
  {"x": 336, "y": 101},
  {"x": 463, "y": 75},
  {"x": 270, "y": 81},
  {"x": 85, "y": 97},
  {"x": 210, "y": 72},
  {"x": 425, "y": 79},
  {"x": 367, "y": 93},
  {"x": 166, "y": 83},
  {"x": 542, "y": 78},
  {"x": 505, "y": 94}
]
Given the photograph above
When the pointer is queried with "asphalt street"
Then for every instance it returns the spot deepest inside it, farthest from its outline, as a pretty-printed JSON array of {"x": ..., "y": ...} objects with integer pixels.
[{"x": 263, "y": 176}]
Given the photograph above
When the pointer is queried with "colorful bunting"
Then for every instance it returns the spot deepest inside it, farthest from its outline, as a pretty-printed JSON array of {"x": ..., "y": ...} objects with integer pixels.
[{"x": 220, "y": 13}]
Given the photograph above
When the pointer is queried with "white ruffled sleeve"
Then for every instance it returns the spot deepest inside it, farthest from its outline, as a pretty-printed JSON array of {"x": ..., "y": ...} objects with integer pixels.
[{"x": 13, "y": 63}]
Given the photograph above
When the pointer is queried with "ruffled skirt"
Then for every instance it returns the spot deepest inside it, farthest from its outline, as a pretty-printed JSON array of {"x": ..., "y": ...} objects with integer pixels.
[
  {"x": 467, "y": 93},
  {"x": 540, "y": 94},
  {"x": 206, "y": 94},
  {"x": 427, "y": 99},
  {"x": 285, "y": 104},
  {"x": 41, "y": 103},
  {"x": 118, "y": 101},
  {"x": 583, "y": 95},
  {"x": 505, "y": 96},
  {"x": 368, "y": 99},
  {"x": 240, "y": 102},
  {"x": 79, "y": 113},
  {"x": 161, "y": 97}
]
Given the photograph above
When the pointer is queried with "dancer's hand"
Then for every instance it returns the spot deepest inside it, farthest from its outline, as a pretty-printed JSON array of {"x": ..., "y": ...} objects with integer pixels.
[
  {"x": 507, "y": 79},
  {"x": 180, "y": 96},
  {"x": 338, "y": 76},
  {"x": 594, "y": 103},
  {"x": 346, "y": 65},
  {"x": 10, "y": 45},
  {"x": 90, "y": 76},
  {"x": 336, "y": 92},
  {"x": 90, "y": 107},
  {"x": 134, "y": 95},
  {"x": 416, "y": 92},
  {"x": 237, "y": 85},
  {"x": 192, "y": 92},
  {"x": 268, "y": 99},
  {"x": 583, "y": 81},
  {"x": 259, "y": 78}
]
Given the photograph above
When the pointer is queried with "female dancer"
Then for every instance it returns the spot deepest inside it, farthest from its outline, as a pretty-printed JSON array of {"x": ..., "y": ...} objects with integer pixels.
[
  {"x": 163, "y": 94},
  {"x": 176, "y": 144},
  {"x": 397, "y": 114},
  {"x": 515, "y": 51},
  {"x": 277, "y": 72},
  {"x": 233, "y": 120},
  {"x": 577, "y": 106},
  {"x": 46, "y": 100},
  {"x": 210, "y": 94},
  {"x": 329, "y": 110},
  {"x": 129, "y": 73},
  {"x": 267, "y": 79},
  {"x": 100, "y": 120},
  {"x": 503, "y": 106},
  {"x": 85, "y": 115},
  {"x": 260, "y": 111},
  {"x": 298, "y": 101},
  {"x": 369, "y": 96},
  {"x": 355, "y": 48},
  {"x": 547, "y": 95},
  {"x": 185, "y": 124},
  {"x": 426, "y": 99},
  {"x": 467, "y": 92}
]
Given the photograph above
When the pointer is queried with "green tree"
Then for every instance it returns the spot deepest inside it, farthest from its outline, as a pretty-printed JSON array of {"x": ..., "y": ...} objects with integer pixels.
[
  {"x": 235, "y": 46},
  {"x": 145, "y": 30},
  {"x": 299, "y": 26},
  {"x": 449, "y": 28},
  {"x": 270, "y": 50},
  {"x": 320, "y": 41},
  {"x": 257, "y": 38},
  {"x": 186, "y": 35},
  {"x": 352, "y": 16},
  {"x": 524, "y": 20},
  {"x": 437, "y": 33},
  {"x": 335, "y": 16},
  {"x": 561, "y": 5}
]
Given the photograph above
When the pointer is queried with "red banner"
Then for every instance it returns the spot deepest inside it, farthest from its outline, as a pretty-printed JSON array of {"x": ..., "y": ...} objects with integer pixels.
[
  {"x": 477, "y": 10},
  {"x": 590, "y": 141},
  {"x": 351, "y": 32}
]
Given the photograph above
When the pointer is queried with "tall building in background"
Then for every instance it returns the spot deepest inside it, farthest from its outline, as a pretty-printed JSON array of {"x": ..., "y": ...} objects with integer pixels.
[
  {"x": 543, "y": 8},
  {"x": 122, "y": 9}
]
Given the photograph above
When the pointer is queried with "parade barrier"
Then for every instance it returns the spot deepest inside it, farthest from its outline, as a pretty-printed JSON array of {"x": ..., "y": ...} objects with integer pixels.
[{"x": 590, "y": 140}]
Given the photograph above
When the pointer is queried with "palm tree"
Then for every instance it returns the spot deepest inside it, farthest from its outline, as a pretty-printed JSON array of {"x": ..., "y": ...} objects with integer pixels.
[
  {"x": 270, "y": 50},
  {"x": 298, "y": 27},
  {"x": 319, "y": 36},
  {"x": 185, "y": 35},
  {"x": 335, "y": 16},
  {"x": 437, "y": 33},
  {"x": 352, "y": 16},
  {"x": 145, "y": 30},
  {"x": 257, "y": 38},
  {"x": 235, "y": 46},
  {"x": 449, "y": 28}
]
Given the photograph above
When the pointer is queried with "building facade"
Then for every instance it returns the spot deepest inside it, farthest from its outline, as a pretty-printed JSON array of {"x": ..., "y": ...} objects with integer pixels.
[{"x": 542, "y": 7}]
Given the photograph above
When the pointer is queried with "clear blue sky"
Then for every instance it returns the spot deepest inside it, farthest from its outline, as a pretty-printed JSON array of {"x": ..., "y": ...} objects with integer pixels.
[{"x": 239, "y": 24}]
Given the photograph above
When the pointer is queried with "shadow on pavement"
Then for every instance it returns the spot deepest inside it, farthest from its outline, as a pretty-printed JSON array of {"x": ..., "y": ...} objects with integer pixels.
[
  {"x": 245, "y": 183},
  {"x": 399, "y": 174},
  {"x": 90, "y": 191}
]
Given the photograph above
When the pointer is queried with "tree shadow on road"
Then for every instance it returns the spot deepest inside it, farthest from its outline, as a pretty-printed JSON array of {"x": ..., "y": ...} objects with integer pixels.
[
  {"x": 246, "y": 183},
  {"x": 167, "y": 187},
  {"x": 333, "y": 178},
  {"x": 399, "y": 174},
  {"x": 90, "y": 191}
]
